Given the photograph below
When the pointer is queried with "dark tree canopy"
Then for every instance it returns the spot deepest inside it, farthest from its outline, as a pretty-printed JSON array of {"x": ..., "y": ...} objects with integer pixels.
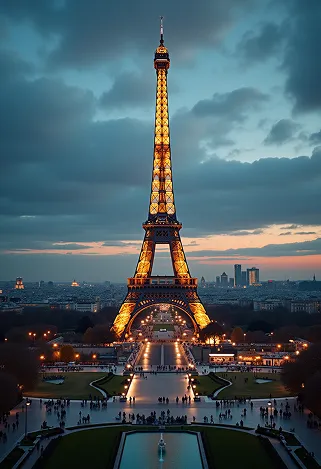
[
  {"x": 8, "y": 392},
  {"x": 260, "y": 325},
  {"x": 303, "y": 376},
  {"x": 213, "y": 329},
  {"x": 67, "y": 353},
  {"x": 312, "y": 393},
  {"x": 237, "y": 335},
  {"x": 21, "y": 363},
  {"x": 83, "y": 324},
  {"x": 99, "y": 334}
]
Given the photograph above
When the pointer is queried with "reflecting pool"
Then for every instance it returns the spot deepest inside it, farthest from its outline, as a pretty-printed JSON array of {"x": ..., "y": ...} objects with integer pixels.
[{"x": 141, "y": 451}]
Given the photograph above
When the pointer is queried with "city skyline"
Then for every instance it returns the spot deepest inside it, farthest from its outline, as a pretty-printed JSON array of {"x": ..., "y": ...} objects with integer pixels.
[{"x": 77, "y": 139}]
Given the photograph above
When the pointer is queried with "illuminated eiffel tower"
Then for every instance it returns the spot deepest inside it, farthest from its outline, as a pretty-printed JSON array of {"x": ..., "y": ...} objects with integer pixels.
[{"x": 161, "y": 227}]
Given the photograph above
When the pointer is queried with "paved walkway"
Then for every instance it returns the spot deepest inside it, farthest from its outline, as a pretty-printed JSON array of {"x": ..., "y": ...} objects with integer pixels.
[
  {"x": 148, "y": 389},
  {"x": 37, "y": 414},
  {"x": 147, "y": 392}
]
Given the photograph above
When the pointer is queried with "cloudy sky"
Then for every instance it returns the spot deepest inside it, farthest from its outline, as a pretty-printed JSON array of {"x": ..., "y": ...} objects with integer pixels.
[{"x": 77, "y": 100}]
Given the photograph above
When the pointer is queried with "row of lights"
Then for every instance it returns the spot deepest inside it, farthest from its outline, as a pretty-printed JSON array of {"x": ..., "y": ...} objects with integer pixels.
[{"x": 147, "y": 350}]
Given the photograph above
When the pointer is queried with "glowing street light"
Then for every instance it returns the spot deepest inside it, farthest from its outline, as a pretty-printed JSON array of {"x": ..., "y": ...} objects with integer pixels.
[{"x": 26, "y": 418}]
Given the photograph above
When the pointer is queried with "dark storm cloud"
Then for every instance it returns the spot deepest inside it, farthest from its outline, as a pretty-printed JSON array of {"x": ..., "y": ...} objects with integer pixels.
[
  {"x": 12, "y": 66},
  {"x": 302, "y": 55},
  {"x": 245, "y": 232},
  {"x": 302, "y": 233},
  {"x": 234, "y": 105},
  {"x": 129, "y": 90},
  {"x": 281, "y": 132},
  {"x": 73, "y": 178},
  {"x": 315, "y": 138},
  {"x": 258, "y": 46},
  {"x": 305, "y": 248},
  {"x": 296, "y": 42},
  {"x": 68, "y": 247},
  {"x": 291, "y": 227},
  {"x": 91, "y": 32}
]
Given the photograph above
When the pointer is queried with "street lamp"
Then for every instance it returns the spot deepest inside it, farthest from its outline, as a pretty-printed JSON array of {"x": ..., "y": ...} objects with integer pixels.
[
  {"x": 270, "y": 407},
  {"x": 26, "y": 417}
]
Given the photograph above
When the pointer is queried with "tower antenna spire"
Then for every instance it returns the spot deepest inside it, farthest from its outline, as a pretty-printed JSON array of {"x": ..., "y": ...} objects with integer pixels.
[{"x": 161, "y": 30}]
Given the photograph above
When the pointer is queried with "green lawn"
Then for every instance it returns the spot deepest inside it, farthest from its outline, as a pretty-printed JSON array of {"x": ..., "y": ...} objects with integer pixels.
[
  {"x": 114, "y": 386},
  {"x": 97, "y": 448},
  {"x": 75, "y": 386},
  {"x": 206, "y": 385},
  {"x": 168, "y": 327},
  {"x": 232, "y": 448},
  {"x": 252, "y": 389}
]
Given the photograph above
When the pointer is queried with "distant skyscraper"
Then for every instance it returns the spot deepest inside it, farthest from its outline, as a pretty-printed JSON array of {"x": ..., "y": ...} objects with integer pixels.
[
  {"x": 224, "y": 279},
  {"x": 237, "y": 275},
  {"x": 253, "y": 276},
  {"x": 243, "y": 278},
  {"x": 41, "y": 283},
  {"x": 203, "y": 282},
  {"x": 218, "y": 280},
  {"x": 231, "y": 282},
  {"x": 19, "y": 284}
]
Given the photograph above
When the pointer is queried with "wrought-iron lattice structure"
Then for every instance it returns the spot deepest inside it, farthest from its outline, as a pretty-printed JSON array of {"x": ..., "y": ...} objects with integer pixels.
[{"x": 161, "y": 227}]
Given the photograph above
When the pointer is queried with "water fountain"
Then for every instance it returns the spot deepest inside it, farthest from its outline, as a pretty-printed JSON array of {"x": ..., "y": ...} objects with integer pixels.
[{"x": 161, "y": 448}]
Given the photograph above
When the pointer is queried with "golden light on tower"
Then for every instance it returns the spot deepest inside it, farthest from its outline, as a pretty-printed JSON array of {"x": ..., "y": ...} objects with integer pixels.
[{"x": 162, "y": 226}]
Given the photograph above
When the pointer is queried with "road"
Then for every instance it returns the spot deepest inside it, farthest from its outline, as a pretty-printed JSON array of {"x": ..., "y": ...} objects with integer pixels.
[{"x": 155, "y": 354}]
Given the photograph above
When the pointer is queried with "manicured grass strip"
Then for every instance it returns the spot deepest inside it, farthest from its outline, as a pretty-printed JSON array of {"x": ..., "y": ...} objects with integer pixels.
[
  {"x": 75, "y": 386},
  {"x": 244, "y": 385},
  {"x": 114, "y": 385},
  {"x": 168, "y": 327},
  {"x": 208, "y": 384},
  {"x": 85, "y": 449},
  {"x": 307, "y": 459},
  {"x": 229, "y": 448},
  {"x": 12, "y": 458}
]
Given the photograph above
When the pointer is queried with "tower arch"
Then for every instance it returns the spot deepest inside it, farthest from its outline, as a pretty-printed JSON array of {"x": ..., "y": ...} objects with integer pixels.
[{"x": 144, "y": 307}]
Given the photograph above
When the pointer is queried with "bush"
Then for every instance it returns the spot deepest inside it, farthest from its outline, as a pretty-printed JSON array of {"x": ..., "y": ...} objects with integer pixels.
[
  {"x": 48, "y": 451},
  {"x": 12, "y": 458},
  {"x": 278, "y": 462}
]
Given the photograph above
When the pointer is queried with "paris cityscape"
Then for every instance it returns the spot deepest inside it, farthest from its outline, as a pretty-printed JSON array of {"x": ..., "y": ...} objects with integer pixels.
[{"x": 143, "y": 326}]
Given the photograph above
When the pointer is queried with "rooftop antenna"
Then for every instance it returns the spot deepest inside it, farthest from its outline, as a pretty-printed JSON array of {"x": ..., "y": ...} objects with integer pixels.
[{"x": 161, "y": 31}]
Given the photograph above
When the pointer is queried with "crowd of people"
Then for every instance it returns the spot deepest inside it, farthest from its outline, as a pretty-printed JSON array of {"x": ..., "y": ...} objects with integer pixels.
[
  {"x": 164, "y": 418},
  {"x": 7, "y": 426}
]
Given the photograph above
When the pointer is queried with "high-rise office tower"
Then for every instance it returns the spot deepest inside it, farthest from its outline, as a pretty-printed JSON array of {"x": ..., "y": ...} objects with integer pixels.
[
  {"x": 218, "y": 281},
  {"x": 224, "y": 279},
  {"x": 253, "y": 276},
  {"x": 237, "y": 275},
  {"x": 243, "y": 278}
]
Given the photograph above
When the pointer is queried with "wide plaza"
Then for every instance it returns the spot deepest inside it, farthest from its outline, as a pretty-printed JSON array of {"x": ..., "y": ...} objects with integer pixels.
[{"x": 147, "y": 388}]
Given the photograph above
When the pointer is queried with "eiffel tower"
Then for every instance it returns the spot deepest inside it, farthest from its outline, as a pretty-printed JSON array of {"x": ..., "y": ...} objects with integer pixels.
[{"x": 161, "y": 227}]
